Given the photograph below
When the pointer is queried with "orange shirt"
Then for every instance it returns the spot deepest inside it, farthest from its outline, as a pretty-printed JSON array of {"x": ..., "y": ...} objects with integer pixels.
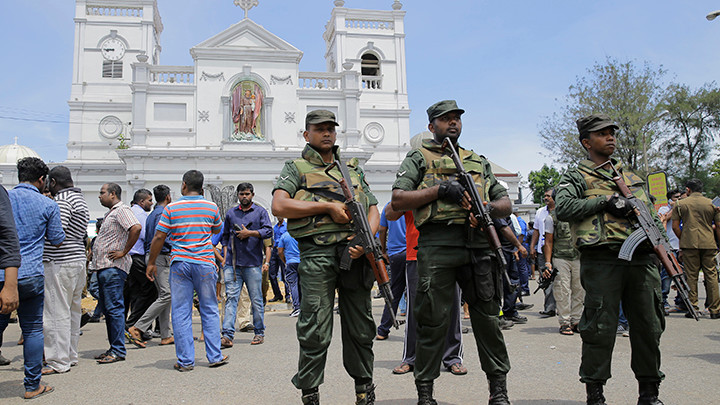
[{"x": 411, "y": 236}]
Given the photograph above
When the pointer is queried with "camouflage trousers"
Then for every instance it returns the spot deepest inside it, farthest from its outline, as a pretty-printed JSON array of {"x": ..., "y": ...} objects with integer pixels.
[{"x": 607, "y": 281}]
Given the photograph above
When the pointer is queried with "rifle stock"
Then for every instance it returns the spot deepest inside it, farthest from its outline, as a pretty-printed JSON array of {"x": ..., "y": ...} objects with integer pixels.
[
  {"x": 365, "y": 237},
  {"x": 646, "y": 229}
]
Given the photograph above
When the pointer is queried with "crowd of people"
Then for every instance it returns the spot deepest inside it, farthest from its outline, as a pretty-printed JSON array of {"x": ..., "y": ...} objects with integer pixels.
[{"x": 149, "y": 265}]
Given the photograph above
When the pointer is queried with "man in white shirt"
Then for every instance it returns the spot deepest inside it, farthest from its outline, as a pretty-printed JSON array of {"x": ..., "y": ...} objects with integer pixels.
[{"x": 536, "y": 245}]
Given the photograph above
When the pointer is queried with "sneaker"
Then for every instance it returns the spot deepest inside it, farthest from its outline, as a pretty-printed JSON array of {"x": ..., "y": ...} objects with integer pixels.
[
  {"x": 622, "y": 329},
  {"x": 517, "y": 319},
  {"x": 4, "y": 361},
  {"x": 505, "y": 324},
  {"x": 295, "y": 313}
]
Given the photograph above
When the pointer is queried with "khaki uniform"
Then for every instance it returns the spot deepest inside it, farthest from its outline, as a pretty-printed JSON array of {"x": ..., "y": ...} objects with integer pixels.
[
  {"x": 567, "y": 289},
  {"x": 322, "y": 244},
  {"x": 608, "y": 280},
  {"x": 449, "y": 251},
  {"x": 698, "y": 246}
]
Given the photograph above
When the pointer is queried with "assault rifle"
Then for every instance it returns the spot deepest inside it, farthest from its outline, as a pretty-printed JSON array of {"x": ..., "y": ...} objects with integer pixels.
[
  {"x": 364, "y": 237},
  {"x": 646, "y": 229},
  {"x": 543, "y": 282},
  {"x": 480, "y": 212}
]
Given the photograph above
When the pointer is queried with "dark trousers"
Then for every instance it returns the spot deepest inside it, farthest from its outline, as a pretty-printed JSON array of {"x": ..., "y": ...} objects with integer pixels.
[
  {"x": 139, "y": 292},
  {"x": 549, "y": 304},
  {"x": 453, "y": 341},
  {"x": 275, "y": 265},
  {"x": 524, "y": 273},
  {"x": 293, "y": 283},
  {"x": 607, "y": 280},
  {"x": 440, "y": 270},
  {"x": 509, "y": 294},
  {"x": 397, "y": 287}
]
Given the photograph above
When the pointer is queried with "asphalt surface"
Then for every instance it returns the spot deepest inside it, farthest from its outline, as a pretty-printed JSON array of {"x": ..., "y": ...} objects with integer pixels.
[{"x": 544, "y": 368}]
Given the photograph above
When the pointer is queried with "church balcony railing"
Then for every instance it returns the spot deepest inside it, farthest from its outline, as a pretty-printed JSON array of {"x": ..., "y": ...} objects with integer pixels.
[
  {"x": 172, "y": 74},
  {"x": 369, "y": 24},
  {"x": 372, "y": 82},
  {"x": 319, "y": 80},
  {"x": 114, "y": 11}
]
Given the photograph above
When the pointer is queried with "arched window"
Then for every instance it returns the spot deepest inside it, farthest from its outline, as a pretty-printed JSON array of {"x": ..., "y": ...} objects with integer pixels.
[{"x": 370, "y": 70}]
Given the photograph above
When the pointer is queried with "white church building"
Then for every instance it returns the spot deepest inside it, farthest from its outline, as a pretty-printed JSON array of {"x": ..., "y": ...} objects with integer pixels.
[{"x": 237, "y": 114}]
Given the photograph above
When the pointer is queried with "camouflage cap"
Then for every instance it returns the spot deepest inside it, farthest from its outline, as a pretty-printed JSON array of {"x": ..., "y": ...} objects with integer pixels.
[
  {"x": 442, "y": 107},
  {"x": 594, "y": 122},
  {"x": 320, "y": 116}
]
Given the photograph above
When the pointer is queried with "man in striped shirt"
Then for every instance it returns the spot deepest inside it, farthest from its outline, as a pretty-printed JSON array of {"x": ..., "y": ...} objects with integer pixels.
[
  {"x": 64, "y": 275},
  {"x": 118, "y": 233},
  {"x": 189, "y": 223}
]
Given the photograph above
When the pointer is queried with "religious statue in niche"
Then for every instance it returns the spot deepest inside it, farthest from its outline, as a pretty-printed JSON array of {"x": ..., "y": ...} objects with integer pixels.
[{"x": 247, "y": 109}]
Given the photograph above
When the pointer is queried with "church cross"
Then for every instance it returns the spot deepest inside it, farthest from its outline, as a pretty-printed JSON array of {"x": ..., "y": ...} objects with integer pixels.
[{"x": 246, "y": 5}]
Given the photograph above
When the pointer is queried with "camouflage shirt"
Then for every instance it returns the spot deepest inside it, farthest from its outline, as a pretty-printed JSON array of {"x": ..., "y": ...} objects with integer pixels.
[
  {"x": 412, "y": 174},
  {"x": 580, "y": 200}
]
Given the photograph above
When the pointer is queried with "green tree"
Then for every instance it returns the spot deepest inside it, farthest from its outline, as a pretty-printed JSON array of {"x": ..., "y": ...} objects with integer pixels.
[
  {"x": 692, "y": 119},
  {"x": 629, "y": 94},
  {"x": 541, "y": 180}
]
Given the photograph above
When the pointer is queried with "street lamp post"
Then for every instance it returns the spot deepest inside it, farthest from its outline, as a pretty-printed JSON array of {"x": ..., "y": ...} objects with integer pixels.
[{"x": 711, "y": 16}]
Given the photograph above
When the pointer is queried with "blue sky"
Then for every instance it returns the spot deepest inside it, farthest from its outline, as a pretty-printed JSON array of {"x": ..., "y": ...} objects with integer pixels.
[{"x": 507, "y": 63}]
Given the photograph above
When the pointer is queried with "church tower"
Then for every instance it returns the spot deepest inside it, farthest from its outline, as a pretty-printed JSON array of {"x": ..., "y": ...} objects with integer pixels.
[
  {"x": 372, "y": 43},
  {"x": 110, "y": 35}
]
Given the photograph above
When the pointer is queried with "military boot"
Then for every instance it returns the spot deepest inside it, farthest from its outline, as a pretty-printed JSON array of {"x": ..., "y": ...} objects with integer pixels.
[
  {"x": 425, "y": 393},
  {"x": 365, "y": 394},
  {"x": 595, "y": 394},
  {"x": 498, "y": 390},
  {"x": 648, "y": 393},
  {"x": 311, "y": 397}
]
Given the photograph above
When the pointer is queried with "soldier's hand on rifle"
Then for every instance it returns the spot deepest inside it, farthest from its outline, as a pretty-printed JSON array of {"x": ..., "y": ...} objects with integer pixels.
[
  {"x": 618, "y": 206},
  {"x": 338, "y": 213},
  {"x": 453, "y": 192},
  {"x": 356, "y": 251},
  {"x": 474, "y": 223}
]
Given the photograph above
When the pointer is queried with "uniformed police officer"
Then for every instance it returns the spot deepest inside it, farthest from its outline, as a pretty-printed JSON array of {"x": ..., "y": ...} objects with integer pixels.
[
  {"x": 451, "y": 249},
  {"x": 313, "y": 204},
  {"x": 589, "y": 199}
]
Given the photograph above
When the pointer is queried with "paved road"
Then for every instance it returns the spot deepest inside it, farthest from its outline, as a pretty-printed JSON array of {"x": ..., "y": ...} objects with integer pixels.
[{"x": 544, "y": 369}]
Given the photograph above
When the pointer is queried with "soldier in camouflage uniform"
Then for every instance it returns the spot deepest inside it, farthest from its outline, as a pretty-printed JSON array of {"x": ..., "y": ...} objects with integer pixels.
[
  {"x": 313, "y": 204},
  {"x": 588, "y": 199},
  {"x": 451, "y": 248}
]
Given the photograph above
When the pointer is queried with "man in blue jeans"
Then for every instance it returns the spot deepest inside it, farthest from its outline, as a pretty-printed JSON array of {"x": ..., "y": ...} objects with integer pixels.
[
  {"x": 289, "y": 253},
  {"x": 392, "y": 239},
  {"x": 110, "y": 260},
  {"x": 189, "y": 223},
  {"x": 36, "y": 218},
  {"x": 246, "y": 226}
]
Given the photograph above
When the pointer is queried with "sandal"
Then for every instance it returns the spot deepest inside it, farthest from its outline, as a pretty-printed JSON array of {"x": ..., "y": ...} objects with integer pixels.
[
  {"x": 50, "y": 370},
  {"x": 111, "y": 358},
  {"x": 182, "y": 369},
  {"x": 222, "y": 362},
  {"x": 258, "y": 340},
  {"x": 226, "y": 343},
  {"x": 566, "y": 329},
  {"x": 43, "y": 389},
  {"x": 457, "y": 369},
  {"x": 137, "y": 342},
  {"x": 404, "y": 368}
]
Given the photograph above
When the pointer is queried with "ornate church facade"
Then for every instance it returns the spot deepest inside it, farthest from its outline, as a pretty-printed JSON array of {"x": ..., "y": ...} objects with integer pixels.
[{"x": 236, "y": 114}]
